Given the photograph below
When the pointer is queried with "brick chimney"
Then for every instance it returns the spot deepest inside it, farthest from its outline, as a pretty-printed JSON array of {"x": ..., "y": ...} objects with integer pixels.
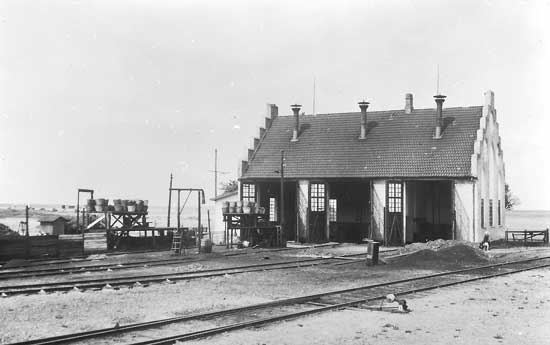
[
  {"x": 439, "y": 99},
  {"x": 408, "y": 103},
  {"x": 363, "y": 105},
  {"x": 296, "y": 110}
]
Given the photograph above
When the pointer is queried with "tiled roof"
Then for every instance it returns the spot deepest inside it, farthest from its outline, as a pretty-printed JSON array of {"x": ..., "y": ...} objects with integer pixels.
[{"x": 397, "y": 145}]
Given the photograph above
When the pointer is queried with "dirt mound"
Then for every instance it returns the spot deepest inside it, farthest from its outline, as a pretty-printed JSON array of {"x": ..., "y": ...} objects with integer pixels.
[
  {"x": 433, "y": 245},
  {"x": 458, "y": 253}
]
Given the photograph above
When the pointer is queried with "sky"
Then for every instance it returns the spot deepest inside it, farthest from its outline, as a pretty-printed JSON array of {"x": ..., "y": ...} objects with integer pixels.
[{"x": 116, "y": 95}]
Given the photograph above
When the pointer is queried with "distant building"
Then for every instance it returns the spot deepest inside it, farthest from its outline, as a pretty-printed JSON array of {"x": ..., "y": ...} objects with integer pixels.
[
  {"x": 218, "y": 226},
  {"x": 397, "y": 176},
  {"x": 52, "y": 225}
]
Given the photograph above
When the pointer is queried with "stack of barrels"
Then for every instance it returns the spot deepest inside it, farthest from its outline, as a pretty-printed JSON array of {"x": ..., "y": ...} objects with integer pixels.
[
  {"x": 242, "y": 207},
  {"x": 119, "y": 206}
]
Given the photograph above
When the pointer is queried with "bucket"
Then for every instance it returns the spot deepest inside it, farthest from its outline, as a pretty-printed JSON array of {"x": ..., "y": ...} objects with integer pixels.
[
  {"x": 226, "y": 204},
  {"x": 100, "y": 202},
  {"x": 139, "y": 207},
  {"x": 246, "y": 209},
  {"x": 239, "y": 210},
  {"x": 90, "y": 202},
  {"x": 131, "y": 208},
  {"x": 239, "y": 203},
  {"x": 225, "y": 209},
  {"x": 119, "y": 208},
  {"x": 117, "y": 202},
  {"x": 207, "y": 245},
  {"x": 125, "y": 203},
  {"x": 233, "y": 204},
  {"x": 232, "y": 210},
  {"x": 100, "y": 208}
]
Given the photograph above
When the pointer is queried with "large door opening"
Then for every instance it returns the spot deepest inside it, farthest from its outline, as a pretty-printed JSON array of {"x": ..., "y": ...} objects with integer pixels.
[
  {"x": 349, "y": 211},
  {"x": 270, "y": 199},
  {"x": 429, "y": 211}
]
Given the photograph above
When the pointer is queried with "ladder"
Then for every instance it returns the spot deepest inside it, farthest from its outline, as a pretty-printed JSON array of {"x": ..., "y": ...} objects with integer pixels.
[
  {"x": 177, "y": 240},
  {"x": 181, "y": 240}
]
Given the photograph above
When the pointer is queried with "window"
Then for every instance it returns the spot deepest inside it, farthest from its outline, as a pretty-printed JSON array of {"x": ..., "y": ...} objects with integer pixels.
[
  {"x": 332, "y": 209},
  {"x": 499, "y": 215},
  {"x": 482, "y": 213},
  {"x": 249, "y": 192},
  {"x": 394, "y": 197},
  {"x": 491, "y": 212},
  {"x": 272, "y": 209},
  {"x": 317, "y": 197}
]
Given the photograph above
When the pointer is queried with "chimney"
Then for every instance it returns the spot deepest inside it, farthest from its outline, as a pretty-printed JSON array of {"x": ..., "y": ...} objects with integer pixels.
[
  {"x": 272, "y": 110},
  {"x": 363, "y": 105},
  {"x": 439, "y": 99},
  {"x": 296, "y": 109},
  {"x": 408, "y": 103}
]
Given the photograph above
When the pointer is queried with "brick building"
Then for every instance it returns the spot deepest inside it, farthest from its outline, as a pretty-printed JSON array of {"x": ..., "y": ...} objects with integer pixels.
[{"x": 397, "y": 176}]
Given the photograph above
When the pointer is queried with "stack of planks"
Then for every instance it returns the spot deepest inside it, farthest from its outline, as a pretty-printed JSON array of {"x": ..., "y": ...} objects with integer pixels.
[
  {"x": 95, "y": 242},
  {"x": 70, "y": 245}
]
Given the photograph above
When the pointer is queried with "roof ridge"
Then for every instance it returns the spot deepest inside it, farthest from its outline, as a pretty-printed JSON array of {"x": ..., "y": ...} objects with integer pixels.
[{"x": 386, "y": 111}]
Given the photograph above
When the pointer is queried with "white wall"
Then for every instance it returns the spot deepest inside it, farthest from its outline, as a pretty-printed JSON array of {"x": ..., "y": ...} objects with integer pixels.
[
  {"x": 488, "y": 167},
  {"x": 302, "y": 220},
  {"x": 378, "y": 204},
  {"x": 464, "y": 210}
]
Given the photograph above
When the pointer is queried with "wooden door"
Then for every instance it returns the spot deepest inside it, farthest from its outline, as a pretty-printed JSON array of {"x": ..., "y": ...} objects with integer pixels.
[{"x": 394, "y": 214}]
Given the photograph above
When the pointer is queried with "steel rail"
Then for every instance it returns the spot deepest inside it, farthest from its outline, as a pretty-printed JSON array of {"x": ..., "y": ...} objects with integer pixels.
[
  {"x": 288, "y": 301},
  {"x": 80, "y": 258},
  {"x": 320, "y": 309},
  {"x": 151, "y": 278},
  {"x": 91, "y": 268}
]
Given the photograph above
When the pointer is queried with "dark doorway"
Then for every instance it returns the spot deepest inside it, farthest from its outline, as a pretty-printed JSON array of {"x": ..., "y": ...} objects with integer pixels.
[
  {"x": 270, "y": 199},
  {"x": 429, "y": 210},
  {"x": 349, "y": 211}
]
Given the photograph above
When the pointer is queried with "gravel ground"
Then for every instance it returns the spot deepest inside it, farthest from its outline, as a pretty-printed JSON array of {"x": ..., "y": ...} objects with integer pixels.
[{"x": 35, "y": 316}]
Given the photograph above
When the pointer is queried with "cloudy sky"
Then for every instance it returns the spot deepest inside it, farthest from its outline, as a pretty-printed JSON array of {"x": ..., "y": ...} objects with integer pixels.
[{"x": 116, "y": 95}]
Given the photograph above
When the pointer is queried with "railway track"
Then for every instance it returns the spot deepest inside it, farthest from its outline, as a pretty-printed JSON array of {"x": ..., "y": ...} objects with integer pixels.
[
  {"x": 74, "y": 259},
  {"x": 52, "y": 271},
  {"x": 143, "y": 280},
  {"x": 213, "y": 323}
]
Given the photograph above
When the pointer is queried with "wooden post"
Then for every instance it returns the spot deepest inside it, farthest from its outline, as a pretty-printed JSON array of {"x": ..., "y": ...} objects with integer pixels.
[
  {"x": 170, "y": 202},
  {"x": 283, "y": 228},
  {"x": 77, "y": 210},
  {"x": 209, "y": 230},
  {"x": 199, "y": 236},
  {"x": 27, "y": 237},
  {"x": 178, "y": 211}
]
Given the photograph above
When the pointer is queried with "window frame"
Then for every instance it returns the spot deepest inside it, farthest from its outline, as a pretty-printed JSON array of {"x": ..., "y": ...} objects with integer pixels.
[
  {"x": 333, "y": 210},
  {"x": 317, "y": 197},
  {"x": 248, "y": 192}
]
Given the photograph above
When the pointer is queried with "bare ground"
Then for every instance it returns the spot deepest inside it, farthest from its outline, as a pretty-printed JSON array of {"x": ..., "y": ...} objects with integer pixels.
[{"x": 435, "y": 318}]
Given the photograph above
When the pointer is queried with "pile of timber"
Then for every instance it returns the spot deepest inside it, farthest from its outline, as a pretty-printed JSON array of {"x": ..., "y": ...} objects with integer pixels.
[{"x": 95, "y": 242}]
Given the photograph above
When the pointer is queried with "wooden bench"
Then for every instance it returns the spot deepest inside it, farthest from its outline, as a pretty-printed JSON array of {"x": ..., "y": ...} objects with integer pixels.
[{"x": 527, "y": 236}]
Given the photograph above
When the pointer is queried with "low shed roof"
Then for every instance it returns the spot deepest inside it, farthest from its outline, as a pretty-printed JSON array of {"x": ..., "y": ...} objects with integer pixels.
[
  {"x": 51, "y": 218},
  {"x": 397, "y": 145}
]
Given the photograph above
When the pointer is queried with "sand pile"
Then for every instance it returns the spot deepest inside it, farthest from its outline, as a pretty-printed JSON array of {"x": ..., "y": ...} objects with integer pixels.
[{"x": 443, "y": 253}]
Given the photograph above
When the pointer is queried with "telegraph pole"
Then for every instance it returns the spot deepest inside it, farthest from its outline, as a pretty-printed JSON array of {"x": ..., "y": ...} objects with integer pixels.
[
  {"x": 170, "y": 200},
  {"x": 216, "y": 172}
]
